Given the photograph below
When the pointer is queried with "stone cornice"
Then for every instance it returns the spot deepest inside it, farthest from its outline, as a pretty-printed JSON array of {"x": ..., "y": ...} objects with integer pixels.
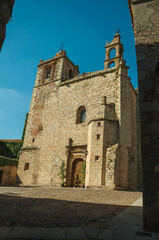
[
  {"x": 55, "y": 59},
  {"x": 85, "y": 76},
  {"x": 29, "y": 148},
  {"x": 103, "y": 119}
]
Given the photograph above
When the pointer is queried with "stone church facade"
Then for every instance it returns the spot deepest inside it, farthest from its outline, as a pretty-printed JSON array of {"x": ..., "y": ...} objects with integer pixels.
[{"x": 89, "y": 118}]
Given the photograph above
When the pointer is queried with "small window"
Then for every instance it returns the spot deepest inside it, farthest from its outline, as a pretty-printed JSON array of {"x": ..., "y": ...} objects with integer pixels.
[
  {"x": 26, "y": 166},
  {"x": 48, "y": 72},
  {"x": 40, "y": 128},
  {"x": 81, "y": 115},
  {"x": 33, "y": 140},
  {"x": 99, "y": 124},
  {"x": 98, "y": 136},
  {"x": 70, "y": 74},
  {"x": 96, "y": 158}
]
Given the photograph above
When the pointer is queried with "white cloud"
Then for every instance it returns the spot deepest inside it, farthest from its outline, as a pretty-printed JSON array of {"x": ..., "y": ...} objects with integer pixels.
[{"x": 5, "y": 91}]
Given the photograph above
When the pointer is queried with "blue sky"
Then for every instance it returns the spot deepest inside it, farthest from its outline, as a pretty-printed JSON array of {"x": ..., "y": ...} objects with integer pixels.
[{"x": 36, "y": 32}]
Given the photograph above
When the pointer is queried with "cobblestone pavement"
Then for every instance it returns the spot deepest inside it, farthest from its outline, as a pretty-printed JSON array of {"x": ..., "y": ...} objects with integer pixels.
[
  {"x": 127, "y": 225},
  {"x": 60, "y": 207}
]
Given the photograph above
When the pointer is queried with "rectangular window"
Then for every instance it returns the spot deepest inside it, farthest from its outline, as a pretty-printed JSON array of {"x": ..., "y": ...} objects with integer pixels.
[
  {"x": 99, "y": 124},
  {"x": 96, "y": 158},
  {"x": 98, "y": 136},
  {"x": 26, "y": 166}
]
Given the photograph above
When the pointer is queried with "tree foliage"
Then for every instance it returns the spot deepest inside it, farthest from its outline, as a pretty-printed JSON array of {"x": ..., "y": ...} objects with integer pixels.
[
  {"x": 62, "y": 172},
  {"x": 10, "y": 149},
  {"x": 4, "y": 161}
]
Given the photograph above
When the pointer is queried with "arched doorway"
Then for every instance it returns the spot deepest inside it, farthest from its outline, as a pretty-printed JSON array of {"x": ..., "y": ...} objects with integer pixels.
[{"x": 76, "y": 173}]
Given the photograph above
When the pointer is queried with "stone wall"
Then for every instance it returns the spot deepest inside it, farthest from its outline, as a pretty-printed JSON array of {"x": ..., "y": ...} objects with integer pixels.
[
  {"x": 6, "y": 7},
  {"x": 9, "y": 175},
  {"x": 107, "y": 96},
  {"x": 56, "y": 113},
  {"x": 145, "y": 20}
]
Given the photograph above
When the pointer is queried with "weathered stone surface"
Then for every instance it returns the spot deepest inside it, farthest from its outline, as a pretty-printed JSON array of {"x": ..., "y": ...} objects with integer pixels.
[
  {"x": 9, "y": 175},
  {"x": 106, "y": 139},
  {"x": 145, "y": 19},
  {"x": 5, "y": 15}
]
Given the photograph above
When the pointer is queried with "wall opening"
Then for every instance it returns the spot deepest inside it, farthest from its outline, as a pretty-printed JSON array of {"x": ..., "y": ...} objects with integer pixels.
[
  {"x": 76, "y": 172},
  {"x": 48, "y": 72},
  {"x": 81, "y": 115},
  {"x": 40, "y": 128},
  {"x": 98, "y": 136},
  {"x": 99, "y": 124},
  {"x": 112, "y": 53},
  {"x": 111, "y": 65},
  {"x": 70, "y": 74},
  {"x": 26, "y": 166},
  {"x": 96, "y": 158}
]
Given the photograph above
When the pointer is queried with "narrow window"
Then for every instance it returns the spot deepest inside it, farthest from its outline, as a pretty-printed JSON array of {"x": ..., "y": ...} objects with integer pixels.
[
  {"x": 33, "y": 140},
  {"x": 98, "y": 136},
  {"x": 96, "y": 158},
  {"x": 26, "y": 166},
  {"x": 81, "y": 115},
  {"x": 48, "y": 72},
  {"x": 40, "y": 128},
  {"x": 70, "y": 74},
  {"x": 99, "y": 124}
]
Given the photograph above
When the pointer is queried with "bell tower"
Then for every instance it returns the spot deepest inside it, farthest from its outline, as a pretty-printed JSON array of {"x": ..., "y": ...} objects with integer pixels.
[{"x": 116, "y": 47}]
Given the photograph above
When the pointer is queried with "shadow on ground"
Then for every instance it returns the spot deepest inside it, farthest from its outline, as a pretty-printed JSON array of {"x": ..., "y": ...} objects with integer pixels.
[{"x": 44, "y": 212}]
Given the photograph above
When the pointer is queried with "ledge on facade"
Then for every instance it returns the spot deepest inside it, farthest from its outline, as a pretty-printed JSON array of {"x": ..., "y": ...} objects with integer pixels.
[
  {"x": 88, "y": 75},
  {"x": 84, "y": 76},
  {"x": 77, "y": 146},
  {"x": 140, "y": 1},
  {"x": 29, "y": 148},
  {"x": 103, "y": 119}
]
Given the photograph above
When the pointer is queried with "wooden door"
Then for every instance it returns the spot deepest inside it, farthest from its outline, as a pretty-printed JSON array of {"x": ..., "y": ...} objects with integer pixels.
[{"x": 76, "y": 172}]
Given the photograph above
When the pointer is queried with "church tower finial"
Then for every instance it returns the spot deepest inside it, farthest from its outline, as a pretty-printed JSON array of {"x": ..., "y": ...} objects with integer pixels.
[{"x": 62, "y": 45}]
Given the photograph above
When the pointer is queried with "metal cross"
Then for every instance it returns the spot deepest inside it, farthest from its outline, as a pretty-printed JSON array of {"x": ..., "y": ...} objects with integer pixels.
[{"x": 62, "y": 46}]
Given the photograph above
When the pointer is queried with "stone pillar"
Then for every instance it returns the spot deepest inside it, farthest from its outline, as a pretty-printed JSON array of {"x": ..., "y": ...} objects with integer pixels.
[
  {"x": 95, "y": 158},
  {"x": 145, "y": 20}
]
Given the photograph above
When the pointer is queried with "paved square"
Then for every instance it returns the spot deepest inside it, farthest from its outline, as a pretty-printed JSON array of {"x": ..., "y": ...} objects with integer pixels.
[{"x": 60, "y": 207}]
